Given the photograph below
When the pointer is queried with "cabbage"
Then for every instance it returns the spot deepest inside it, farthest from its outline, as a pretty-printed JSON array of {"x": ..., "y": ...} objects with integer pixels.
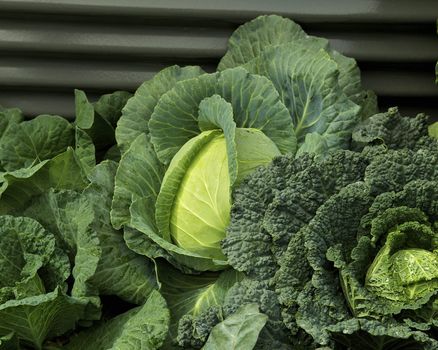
[
  {"x": 201, "y": 208},
  {"x": 184, "y": 132}
]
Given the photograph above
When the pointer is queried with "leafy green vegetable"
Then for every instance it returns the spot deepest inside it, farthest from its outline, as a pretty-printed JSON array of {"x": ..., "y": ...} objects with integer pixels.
[
  {"x": 433, "y": 130},
  {"x": 320, "y": 87},
  {"x": 26, "y": 143},
  {"x": 264, "y": 205},
  {"x": 99, "y": 119},
  {"x": 59, "y": 252},
  {"x": 138, "y": 110},
  {"x": 195, "y": 302},
  {"x": 346, "y": 244},
  {"x": 144, "y": 327},
  {"x": 198, "y": 219},
  {"x": 391, "y": 130},
  {"x": 32, "y": 293},
  {"x": 189, "y": 138},
  {"x": 63, "y": 171},
  {"x": 191, "y": 142},
  {"x": 239, "y": 331}
]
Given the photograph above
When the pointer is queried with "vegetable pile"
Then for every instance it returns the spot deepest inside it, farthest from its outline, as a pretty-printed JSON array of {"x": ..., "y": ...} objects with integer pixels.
[{"x": 267, "y": 205}]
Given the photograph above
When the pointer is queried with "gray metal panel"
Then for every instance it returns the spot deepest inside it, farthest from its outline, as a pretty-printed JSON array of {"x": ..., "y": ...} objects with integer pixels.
[
  {"x": 401, "y": 11},
  {"x": 158, "y": 41},
  {"x": 49, "y": 47}
]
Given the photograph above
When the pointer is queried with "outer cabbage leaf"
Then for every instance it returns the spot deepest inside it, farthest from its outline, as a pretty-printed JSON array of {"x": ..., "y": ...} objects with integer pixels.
[
  {"x": 274, "y": 334},
  {"x": 113, "y": 154},
  {"x": 255, "y": 105},
  {"x": 33, "y": 300},
  {"x": 99, "y": 120},
  {"x": 22, "y": 261},
  {"x": 85, "y": 150},
  {"x": 65, "y": 171},
  {"x": 252, "y": 38},
  {"x": 110, "y": 106},
  {"x": 314, "y": 144},
  {"x": 195, "y": 302},
  {"x": 307, "y": 81},
  {"x": 392, "y": 172},
  {"x": 13, "y": 115},
  {"x": 215, "y": 113},
  {"x": 103, "y": 265},
  {"x": 350, "y": 82},
  {"x": 251, "y": 41},
  {"x": 316, "y": 307},
  {"x": 39, "y": 317},
  {"x": 374, "y": 335},
  {"x": 69, "y": 217},
  {"x": 77, "y": 226},
  {"x": 138, "y": 109},
  {"x": 30, "y": 142},
  {"x": 120, "y": 271},
  {"x": 238, "y": 331},
  {"x": 24, "y": 144},
  {"x": 8, "y": 118},
  {"x": 139, "y": 175},
  {"x": 253, "y": 257},
  {"x": 143, "y": 328},
  {"x": 266, "y": 221}
]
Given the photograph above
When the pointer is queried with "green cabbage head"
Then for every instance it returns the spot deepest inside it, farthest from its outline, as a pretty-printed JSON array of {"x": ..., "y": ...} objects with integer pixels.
[
  {"x": 201, "y": 208},
  {"x": 406, "y": 267}
]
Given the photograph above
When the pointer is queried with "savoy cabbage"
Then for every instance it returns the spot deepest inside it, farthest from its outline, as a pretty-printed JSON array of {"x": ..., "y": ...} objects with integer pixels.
[{"x": 347, "y": 244}]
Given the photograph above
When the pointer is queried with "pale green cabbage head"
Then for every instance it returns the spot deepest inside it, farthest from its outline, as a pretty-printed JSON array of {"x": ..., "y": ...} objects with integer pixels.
[
  {"x": 406, "y": 267},
  {"x": 201, "y": 208}
]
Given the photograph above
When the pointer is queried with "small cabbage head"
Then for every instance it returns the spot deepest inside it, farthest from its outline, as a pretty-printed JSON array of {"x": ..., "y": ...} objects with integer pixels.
[
  {"x": 406, "y": 267},
  {"x": 397, "y": 264},
  {"x": 200, "y": 211}
]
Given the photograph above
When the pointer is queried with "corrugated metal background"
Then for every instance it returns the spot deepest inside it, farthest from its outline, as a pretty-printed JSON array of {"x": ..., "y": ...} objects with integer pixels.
[{"x": 49, "y": 47}]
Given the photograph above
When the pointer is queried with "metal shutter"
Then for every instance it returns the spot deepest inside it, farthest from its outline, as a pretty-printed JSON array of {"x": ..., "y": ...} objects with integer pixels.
[{"x": 49, "y": 47}]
